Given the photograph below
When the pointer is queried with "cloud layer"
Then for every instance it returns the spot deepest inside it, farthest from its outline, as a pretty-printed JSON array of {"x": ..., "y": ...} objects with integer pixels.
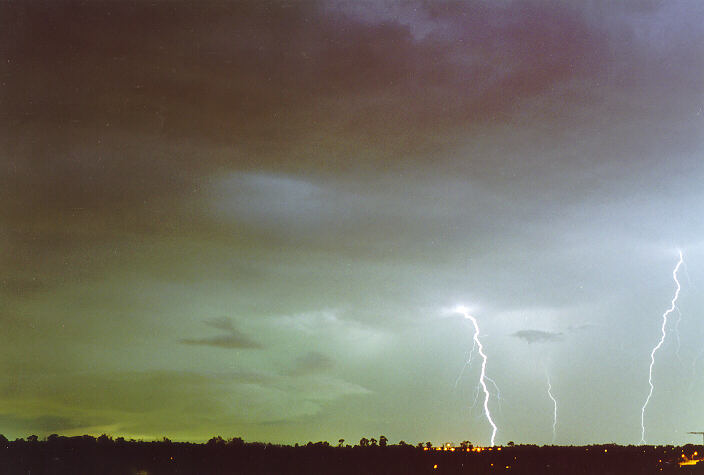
[{"x": 333, "y": 174}]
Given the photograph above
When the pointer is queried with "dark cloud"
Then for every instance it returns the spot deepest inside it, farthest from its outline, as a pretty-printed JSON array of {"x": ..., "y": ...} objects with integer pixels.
[
  {"x": 312, "y": 362},
  {"x": 380, "y": 159},
  {"x": 538, "y": 336},
  {"x": 234, "y": 338},
  {"x": 47, "y": 423},
  {"x": 115, "y": 121}
]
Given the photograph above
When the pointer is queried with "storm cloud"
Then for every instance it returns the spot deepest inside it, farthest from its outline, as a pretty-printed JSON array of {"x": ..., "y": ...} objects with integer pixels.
[{"x": 333, "y": 174}]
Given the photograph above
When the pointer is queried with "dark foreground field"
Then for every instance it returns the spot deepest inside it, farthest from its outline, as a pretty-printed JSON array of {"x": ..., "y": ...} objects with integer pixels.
[{"x": 88, "y": 455}]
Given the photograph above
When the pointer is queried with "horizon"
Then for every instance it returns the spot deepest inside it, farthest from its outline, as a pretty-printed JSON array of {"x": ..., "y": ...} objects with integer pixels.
[
  {"x": 262, "y": 218},
  {"x": 371, "y": 442}
]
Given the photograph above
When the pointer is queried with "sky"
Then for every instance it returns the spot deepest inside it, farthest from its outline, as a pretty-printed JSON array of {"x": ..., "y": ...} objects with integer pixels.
[{"x": 254, "y": 219}]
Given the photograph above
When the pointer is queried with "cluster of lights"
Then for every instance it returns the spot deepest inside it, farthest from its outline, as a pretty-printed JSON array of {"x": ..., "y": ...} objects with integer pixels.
[
  {"x": 450, "y": 448},
  {"x": 690, "y": 461}
]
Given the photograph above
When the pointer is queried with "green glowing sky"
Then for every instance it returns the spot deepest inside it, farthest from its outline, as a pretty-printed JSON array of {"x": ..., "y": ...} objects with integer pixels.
[{"x": 250, "y": 218}]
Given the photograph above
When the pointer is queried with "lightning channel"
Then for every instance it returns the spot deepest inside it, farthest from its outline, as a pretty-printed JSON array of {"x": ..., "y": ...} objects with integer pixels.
[
  {"x": 554, "y": 407},
  {"x": 677, "y": 336},
  {"x": 466, "y": 364},
  {"x": 482, "y": 377},
  {"x": 663, "y": 334},
  {"x": 498, "y": 391}
]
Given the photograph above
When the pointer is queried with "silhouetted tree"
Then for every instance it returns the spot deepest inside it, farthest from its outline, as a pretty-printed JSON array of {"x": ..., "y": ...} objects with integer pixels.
[
  {"x": 364, "y": 442},
  {"x": 511, "y": 443},
  {"x": 238, "y": 442},
  {"x": 216, "y": 441},
  {"x": 340, "y": 442},
  {"x": 428, "y": 445},
  {"x": 32, "y": 439},
  {"x": 383, "y": 441},
  {"x": 372, "y": 442}
]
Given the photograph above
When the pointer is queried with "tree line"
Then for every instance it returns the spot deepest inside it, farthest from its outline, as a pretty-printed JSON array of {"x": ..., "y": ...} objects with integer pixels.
[{"x": 58, "y": 455}]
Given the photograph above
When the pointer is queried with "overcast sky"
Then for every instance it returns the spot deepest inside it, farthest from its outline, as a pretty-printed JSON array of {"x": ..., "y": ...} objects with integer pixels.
[{"x": 251, "y": 218}]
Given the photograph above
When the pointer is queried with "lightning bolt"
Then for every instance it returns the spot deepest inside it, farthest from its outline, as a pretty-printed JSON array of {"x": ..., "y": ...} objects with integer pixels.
[
  {"x": 554, "y": 407},
  {"x": 466, "y": 364},
  {"x": 677, "y": 336},
  {"x": 482, "y": 377},
  {"x": 498, "y": 394},
  {"x": 498, "y": 391},
  {"x": 663, "y": 332}
]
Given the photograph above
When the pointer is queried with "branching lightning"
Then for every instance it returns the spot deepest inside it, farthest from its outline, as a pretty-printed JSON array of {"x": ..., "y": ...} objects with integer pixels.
[
  {"x": 663, "y": 331},
  {"x": 466, "y": 364},
  {"x": 677, "y": 336},
  {"x": 498, "y": 391},
  {"x": 498, "y": 394},
  {"x": 554, "y": 407},
  {"x": 482, "y": 377}
]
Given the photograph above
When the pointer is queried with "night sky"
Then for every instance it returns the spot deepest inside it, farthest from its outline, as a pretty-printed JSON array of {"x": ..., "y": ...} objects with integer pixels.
[{"x": 253, "y": 218}]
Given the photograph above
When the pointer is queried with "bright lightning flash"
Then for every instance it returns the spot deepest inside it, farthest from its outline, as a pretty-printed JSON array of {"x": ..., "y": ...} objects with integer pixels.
[
  {"x": 483, "y": 377},
  {"x": 663, "y": 331},
  {"x": 554, "y": 407}
]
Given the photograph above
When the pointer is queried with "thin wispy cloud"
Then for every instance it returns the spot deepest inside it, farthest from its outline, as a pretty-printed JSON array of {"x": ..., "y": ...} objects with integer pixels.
[
  {"x": 232, "y": 339},
  {"x": 538, "y": 336}
]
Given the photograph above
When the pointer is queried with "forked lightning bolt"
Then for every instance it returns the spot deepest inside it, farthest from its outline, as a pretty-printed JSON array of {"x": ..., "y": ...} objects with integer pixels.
[
  {"x": 466, "y": 365},
  {"x": 482, "y": 377},
  {"x": 663, "y": 331},
  {"x": 554, "y": 407}
]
